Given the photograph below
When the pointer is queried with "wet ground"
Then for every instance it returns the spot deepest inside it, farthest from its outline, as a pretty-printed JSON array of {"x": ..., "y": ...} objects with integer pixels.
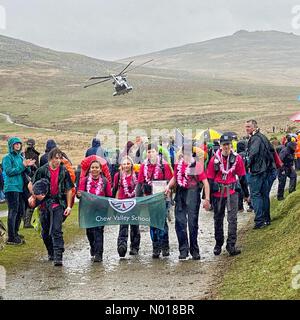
[
  {"x": 132, "y": 278},
  {"x": 138, "y": 277},
  {"x": 3, "y": 213}
]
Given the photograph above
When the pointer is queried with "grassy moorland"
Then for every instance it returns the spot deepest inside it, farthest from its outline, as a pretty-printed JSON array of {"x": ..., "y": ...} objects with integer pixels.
[
  {"x": 12, "y": 256},
  {"x": 269, "y": 265}
]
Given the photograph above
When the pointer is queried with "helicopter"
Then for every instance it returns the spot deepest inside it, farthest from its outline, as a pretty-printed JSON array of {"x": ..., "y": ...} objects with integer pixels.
[{"x": 118, "y": 80}]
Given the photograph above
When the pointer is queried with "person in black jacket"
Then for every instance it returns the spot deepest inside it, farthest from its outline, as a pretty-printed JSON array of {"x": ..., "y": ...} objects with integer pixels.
[
  {"x": 56, "y": 205},
  {"x": 261, "y": 164},
  {"x": 241, "y": 150},
  {"x": 287, "y": 156},
  {"x": 30, "y": 153}
]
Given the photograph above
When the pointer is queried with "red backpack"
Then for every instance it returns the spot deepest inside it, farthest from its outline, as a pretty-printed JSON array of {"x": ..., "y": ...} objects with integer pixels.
[{"x": 86, "y": 163}]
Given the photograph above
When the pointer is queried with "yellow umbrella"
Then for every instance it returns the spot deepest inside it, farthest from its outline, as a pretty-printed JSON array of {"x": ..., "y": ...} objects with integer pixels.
[
  {"x": 200, "y": 153},
  {"x": 208, "y": 135}
]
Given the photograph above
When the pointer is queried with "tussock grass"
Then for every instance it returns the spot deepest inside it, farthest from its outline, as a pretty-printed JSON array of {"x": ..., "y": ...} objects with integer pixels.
[
  {"x": 12, "y": 256},
  {"x": 265, "y": 268}
]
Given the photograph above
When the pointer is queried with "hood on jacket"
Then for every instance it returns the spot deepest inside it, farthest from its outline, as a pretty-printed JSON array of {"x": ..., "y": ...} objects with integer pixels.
[
  {"x": 51, "y": 144},
  {"x": 96, "y": 143},
  {"x": 30, "y": 142},
  {"x": 11, "y": 143}
]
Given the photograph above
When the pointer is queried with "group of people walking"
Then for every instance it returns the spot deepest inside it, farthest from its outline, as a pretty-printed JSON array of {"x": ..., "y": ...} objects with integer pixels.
[{"x": 218, "y": 185}]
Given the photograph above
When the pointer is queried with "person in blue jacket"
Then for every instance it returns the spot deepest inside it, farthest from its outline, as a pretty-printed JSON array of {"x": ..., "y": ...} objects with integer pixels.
[
  {"x": 15, "y": 165},
  {"x": 96, "y": 149},
  {"x": 51, "y": 144}
]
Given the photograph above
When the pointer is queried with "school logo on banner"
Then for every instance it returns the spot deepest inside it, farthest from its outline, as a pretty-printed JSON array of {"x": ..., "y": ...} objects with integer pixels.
[
  {"x": 122, "y": 206},
  {"x": 95, "y": 211}
]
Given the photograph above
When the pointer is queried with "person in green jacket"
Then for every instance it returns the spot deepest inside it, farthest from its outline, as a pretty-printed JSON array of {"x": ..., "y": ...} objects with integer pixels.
[{"x": 15, "y": 165}]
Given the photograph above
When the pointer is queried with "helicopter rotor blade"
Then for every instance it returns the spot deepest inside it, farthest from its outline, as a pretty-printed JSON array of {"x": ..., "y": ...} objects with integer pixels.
[
  {"x": 139, "y": 65},
  {"x": 93, "y": 84},
  {"x": 126, "y": 67},
  {"x": 97, "y": 78}
]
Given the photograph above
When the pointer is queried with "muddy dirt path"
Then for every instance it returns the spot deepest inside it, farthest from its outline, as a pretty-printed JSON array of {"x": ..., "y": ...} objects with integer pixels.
[
  {"x": 132, "y": 278},
  {"x": 10, "y": 121},
  {"x": 138, "y": 277}
]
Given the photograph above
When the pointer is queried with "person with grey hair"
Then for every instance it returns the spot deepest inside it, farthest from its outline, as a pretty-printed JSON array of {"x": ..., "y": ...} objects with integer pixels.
[{"x": 261, "y": 164}]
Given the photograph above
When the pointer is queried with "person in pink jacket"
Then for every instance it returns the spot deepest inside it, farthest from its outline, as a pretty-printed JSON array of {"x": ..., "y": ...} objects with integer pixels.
[
  {"x": 125, "y": 182},
  {"x": 95, "y": 183}
]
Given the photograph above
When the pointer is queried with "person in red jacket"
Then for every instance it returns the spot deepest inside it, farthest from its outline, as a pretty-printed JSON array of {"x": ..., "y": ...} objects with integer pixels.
[
  {"x": 155, "y": 168},
  {"x": 223, "y": 172},
  {"x": 125, "y": 182},
  {"x": 189, "y": 177},
  {"x": 95, "y": 183}
]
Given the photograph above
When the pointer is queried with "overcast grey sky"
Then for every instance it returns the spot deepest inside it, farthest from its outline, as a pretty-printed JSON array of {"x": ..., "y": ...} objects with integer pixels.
[{"x": 113, "y": 29}]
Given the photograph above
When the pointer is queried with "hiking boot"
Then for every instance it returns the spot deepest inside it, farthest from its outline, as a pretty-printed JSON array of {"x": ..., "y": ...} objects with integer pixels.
[
  {"x": 280, "y": 198},
  {"x": 134, "y": 252},
  {"x": 29, "y": 226},
  {"x": 155, "y": 253},
  {"x": 21, "y": 237},
  {"x": 165, "y": 252},
  {"x": 122, "y": 249},
  {"x": 183, "y": 256},
  {"x": 217, "y": 250},
  {"x": 196, "y": 256},
  {"x": 58, "y": 263},
  {"x": 50, "y": 257},
  {"x": 98, "y": 257},
  {"x": 259, "y": 226},
  {"x": 268, "y": 223},
  {"x": 15, "y": 242},
  {"x": 58, "y": 257},
  {"x": 27, "y": 219},
  {"x": 233, "y": 251},
  {"x": 92, "y": 252}
]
